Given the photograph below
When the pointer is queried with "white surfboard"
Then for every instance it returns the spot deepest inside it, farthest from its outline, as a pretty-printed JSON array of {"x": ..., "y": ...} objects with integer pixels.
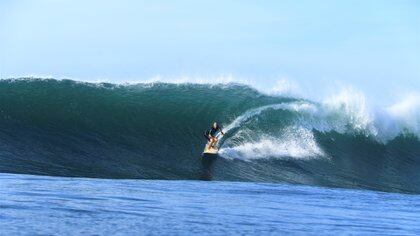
[{"x": 208, "y": 150}]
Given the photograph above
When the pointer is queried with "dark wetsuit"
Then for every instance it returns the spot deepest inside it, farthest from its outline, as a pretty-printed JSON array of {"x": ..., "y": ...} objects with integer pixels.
[{"x": 212, "y": 132}]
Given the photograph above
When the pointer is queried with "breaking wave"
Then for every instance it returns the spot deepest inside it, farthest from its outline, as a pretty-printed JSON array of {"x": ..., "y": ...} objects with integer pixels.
[{"x": 154, "y": 131}]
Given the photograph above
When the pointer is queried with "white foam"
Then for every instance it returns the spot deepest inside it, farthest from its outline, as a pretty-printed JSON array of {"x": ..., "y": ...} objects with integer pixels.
[
  {"x": 294, "y": 106},
  {"x": 297, "y": 143},
  {"x": 406, "y": 113},
  {"x": 349, "y": 107},
  {"x": 284, "y": 87},
  {"x": 345, "y": 112}
]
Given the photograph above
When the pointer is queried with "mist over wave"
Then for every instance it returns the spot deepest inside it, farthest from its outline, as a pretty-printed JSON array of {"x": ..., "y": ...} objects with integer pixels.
[{"x": 154, "y": 131}]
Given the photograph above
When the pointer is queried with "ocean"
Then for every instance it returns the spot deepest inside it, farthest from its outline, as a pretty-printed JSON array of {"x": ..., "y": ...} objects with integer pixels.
[
  {"x": 41, "y": 205},
  {"x": 83, "y": 158}
]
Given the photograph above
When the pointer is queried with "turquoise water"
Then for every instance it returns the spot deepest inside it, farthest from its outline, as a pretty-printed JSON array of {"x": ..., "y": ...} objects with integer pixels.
[{"x": 81, "y": 206}]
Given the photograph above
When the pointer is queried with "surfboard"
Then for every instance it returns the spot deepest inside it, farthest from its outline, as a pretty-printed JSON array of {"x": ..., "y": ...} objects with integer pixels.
[{"x": 208, "y": 150}]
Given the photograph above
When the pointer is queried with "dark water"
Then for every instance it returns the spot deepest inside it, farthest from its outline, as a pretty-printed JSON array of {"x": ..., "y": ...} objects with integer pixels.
[
  {"x": 39, "y": 205},
  {"x": 154, "y": 131}
]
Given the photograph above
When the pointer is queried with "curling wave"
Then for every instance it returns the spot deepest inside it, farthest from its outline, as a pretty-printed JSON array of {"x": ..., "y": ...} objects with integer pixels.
[{"x": 154, "y": 131}]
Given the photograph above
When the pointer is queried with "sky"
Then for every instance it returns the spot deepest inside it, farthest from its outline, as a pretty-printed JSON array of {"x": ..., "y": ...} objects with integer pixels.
[{"x": 373, "y": 46}]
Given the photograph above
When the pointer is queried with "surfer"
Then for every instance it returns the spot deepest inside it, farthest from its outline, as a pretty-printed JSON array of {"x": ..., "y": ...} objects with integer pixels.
[{"x": 211, "y": 134}]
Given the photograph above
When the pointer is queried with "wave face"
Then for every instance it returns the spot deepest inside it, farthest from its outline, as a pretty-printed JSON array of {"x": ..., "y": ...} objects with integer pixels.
[{"x": 154, "y": 131}]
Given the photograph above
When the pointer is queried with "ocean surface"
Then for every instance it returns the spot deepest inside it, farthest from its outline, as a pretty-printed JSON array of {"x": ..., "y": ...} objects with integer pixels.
[
  {"x": 80, "y": 206},
  {"x": 101, "y": 158}
]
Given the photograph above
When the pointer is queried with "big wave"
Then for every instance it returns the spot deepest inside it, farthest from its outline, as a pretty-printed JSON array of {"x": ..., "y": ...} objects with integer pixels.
[{"x": 154, "y": 131}]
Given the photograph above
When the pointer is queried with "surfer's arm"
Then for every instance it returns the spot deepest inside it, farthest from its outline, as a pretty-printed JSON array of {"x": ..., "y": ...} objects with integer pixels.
[{"x": 221, "y": 131}]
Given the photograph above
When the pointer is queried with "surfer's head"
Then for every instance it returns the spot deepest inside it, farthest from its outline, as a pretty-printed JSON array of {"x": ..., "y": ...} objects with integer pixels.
[{"x": 215, "y": 125}]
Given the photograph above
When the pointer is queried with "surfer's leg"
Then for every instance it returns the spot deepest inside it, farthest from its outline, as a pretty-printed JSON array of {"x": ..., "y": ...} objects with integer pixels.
[{"x": 213, "y": 142}]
